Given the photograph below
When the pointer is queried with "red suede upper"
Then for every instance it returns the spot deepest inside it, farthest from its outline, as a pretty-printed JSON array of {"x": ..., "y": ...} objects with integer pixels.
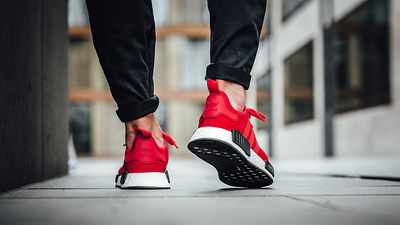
[
  {"x": 218, "y": 112},
  {"x": 145, "y": 155}
]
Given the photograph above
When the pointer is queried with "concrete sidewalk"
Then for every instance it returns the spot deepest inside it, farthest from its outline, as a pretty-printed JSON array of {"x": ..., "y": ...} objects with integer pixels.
[{"x": 304, "y": 192}]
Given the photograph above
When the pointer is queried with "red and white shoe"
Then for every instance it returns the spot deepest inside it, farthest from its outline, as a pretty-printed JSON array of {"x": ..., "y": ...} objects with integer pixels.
[
  {"x": 145, "y": 164},
  {"x": 226, "y": 140}
]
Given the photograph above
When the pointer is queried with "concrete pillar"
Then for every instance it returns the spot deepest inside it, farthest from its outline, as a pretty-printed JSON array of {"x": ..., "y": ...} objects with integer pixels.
[{"x": 33, "y": 91}]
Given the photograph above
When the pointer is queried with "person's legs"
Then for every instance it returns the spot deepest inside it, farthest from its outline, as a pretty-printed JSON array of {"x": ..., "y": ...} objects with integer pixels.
[
  {"x": 124, "y": 39},
  {"x": 225, "y": 137},
  {"x": 235, "y": 34}
]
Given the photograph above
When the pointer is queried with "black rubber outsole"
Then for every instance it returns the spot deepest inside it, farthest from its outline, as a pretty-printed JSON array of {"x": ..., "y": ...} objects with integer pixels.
[{"x": 233, "y": 168}]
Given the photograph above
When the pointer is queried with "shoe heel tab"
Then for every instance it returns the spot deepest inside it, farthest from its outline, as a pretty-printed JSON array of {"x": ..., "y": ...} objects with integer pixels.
[
  {"x": 145, "y": 133},
  {"x": 212, "y": 86},
  {"x": 256, "y": 114}
]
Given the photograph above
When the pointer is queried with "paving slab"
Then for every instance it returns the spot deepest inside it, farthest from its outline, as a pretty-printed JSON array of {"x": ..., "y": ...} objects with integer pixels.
[
  {"x": 385, "y": 166},
  {"x": 383, "y": 208},
  {"x": 213, "y": 210},
  {"x": 203, "y": 187},
  {"x": 88, "y": 196}
]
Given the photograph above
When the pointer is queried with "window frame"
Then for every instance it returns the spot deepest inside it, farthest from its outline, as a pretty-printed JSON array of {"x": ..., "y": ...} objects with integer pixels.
[
  {"x": 311, "y": 44},
  {"x": 343, "y": 20},
  {"x": 294, "y": 11}
]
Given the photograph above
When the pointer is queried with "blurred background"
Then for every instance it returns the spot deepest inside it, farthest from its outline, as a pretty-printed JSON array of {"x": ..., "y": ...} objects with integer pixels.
[{"x": 326, "y": 75}]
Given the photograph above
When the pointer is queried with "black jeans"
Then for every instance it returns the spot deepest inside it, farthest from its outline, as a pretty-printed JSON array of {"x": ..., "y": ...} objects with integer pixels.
[{"x": 124, "y": 38}]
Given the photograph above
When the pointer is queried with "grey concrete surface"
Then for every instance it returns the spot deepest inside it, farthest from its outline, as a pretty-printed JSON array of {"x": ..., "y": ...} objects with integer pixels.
[
  {"x": 55, "y": 102},
  {"x": 88, "y": 196}
]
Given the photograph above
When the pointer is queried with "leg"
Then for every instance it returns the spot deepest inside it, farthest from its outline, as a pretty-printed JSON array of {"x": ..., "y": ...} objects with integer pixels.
[
  {"x": 235, "y": 34},
  {"x": 225, "y": 137},
  {"x": 124, "y": 38}
]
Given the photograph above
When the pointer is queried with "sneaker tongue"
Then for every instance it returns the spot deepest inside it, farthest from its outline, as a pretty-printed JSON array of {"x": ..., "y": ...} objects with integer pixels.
[{"x": 212, "y": 86}]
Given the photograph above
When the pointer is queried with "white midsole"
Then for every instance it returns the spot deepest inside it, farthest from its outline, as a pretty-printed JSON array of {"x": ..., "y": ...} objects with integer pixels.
[
  {"x": 215, "y": 133},
  {"x": 144, "y": 180}
]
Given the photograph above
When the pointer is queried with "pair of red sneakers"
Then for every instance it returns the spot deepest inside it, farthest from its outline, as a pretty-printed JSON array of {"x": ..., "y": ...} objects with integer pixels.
[{"x": 225, "y": 139}]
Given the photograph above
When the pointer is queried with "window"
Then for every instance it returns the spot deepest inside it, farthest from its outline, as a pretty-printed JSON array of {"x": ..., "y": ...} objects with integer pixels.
[
  {"x": 264, "y": 100},
  {"x": 290, "y": 6},
  {"x": 267, "y": 20},
  {"x": 79, "y": 125},
  {"x": 298, "y": 70},
  {"x": 362, "y": 57}
]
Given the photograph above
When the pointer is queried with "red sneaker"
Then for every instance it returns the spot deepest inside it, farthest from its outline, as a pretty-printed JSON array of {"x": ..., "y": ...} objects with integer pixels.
[
  {"x": 225, "y": 139},
  {"x": 145, "y": 164}
]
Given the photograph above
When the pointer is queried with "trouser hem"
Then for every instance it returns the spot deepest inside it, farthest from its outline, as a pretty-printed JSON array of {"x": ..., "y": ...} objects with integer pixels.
[
  {"x": 228, "y": 73},
  {"x": 138, "y": 110}
]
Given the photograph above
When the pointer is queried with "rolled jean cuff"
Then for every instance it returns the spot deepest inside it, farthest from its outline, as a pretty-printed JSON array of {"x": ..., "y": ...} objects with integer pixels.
[
  {"x": 228, "y": 73},
  {"x": 138, "y": 110}
]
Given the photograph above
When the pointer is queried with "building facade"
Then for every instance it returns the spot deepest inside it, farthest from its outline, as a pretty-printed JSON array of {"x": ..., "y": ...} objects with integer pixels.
[
  {"x": 331, "y": 71},
  {"x": 327, "y": 75}
]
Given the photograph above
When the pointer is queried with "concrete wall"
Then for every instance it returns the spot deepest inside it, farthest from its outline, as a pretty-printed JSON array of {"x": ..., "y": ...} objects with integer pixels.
[{"x": 33, "y": 91}]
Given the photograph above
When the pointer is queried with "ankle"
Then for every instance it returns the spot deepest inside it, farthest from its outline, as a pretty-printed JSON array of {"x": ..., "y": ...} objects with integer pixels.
[
  {"x": 148, "y": 123},
  {"x": 235, "y": 93}
]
